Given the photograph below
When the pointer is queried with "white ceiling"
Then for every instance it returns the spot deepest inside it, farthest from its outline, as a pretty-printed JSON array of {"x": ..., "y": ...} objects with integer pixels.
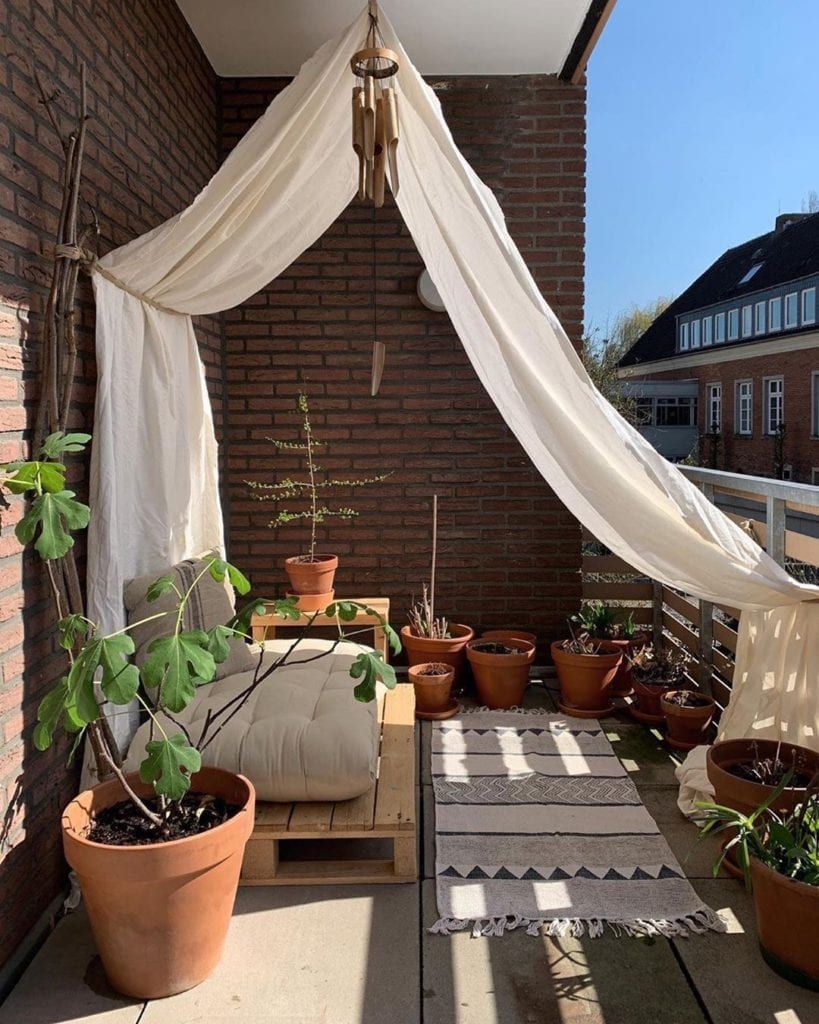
[{"x": 443, "y": 37}]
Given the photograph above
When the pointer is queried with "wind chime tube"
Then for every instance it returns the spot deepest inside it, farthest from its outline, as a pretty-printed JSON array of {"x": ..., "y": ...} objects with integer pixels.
[
  {"x": 369, "y": 118},
  {"x": 358, "y": 139},
  {"x": 380, "y": 161},
  {"x": 389, "y": 98}
]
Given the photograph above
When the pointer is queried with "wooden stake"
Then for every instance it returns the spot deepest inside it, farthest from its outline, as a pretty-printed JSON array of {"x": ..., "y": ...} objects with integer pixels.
[{"x": 434, "y": 558}]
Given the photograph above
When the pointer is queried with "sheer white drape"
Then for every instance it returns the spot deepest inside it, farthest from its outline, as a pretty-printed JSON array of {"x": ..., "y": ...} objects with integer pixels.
[{"x": 278, "y": 191}]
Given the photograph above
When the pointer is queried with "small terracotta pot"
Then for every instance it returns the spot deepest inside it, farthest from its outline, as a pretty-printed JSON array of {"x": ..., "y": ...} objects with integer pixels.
[
  {"x": 745, "y": 795},
  {"x": 431, "y": 691},
  {"x": 160, "y": 913},
  {"x": 312, "y": 582},
  {"x": 623, "y": 684},
  {"x": 450, "y": 651},
  {"x": 787, "y": 925},
  {"x": 501, "y": 679},
  {"x": 509, "y": 634},
  {"x": 586, "y": 679},
  {"x": 687, "y": 726},
  {"x": 649, "y": 699}
]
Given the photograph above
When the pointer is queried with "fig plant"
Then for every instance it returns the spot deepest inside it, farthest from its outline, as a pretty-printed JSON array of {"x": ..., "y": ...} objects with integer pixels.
[{"x": 100, "y": 669}]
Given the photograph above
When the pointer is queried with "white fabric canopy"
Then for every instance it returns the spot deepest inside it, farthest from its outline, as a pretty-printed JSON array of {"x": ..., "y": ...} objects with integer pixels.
[{"x": 154, "y": 485}]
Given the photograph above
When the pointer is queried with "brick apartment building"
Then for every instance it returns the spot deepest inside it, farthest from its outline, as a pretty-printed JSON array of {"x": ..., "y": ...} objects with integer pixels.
[{"x": 733, "y": 363}]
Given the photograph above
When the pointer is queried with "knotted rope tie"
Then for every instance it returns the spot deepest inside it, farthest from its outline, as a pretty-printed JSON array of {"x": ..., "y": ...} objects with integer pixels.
[{"x": 68, "y": 251}]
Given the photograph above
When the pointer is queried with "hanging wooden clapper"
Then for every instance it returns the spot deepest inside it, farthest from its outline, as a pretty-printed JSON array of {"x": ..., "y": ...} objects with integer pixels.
[{"x": 375, "y": 141}]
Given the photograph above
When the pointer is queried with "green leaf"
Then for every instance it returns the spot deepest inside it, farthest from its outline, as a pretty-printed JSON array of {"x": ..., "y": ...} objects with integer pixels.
[
  {"x": 81, "y": 702},
  {"x": 345, "y": 610},
  {"x": 241, "y": 621},
  {"x": 71, "y": 627},
  {"x": 219, "y": 643},
  {"x": 52, "y": 477},
  {"x": 49, "y": 713},
  {"x": 54, "y": 515},
  {"x": 120, "y": 679},
  {"x": 58, "y": 442},
  {"x": 169, "y": 765},
  {"x": 24, "y": 476},
  {"x": 371, "y": 668},
  {"x": 178, "y": 664},
  {"x": 219, "y": 568},
  {"x": 288, "y": 608},
  {"x": 159, "y": 587}
]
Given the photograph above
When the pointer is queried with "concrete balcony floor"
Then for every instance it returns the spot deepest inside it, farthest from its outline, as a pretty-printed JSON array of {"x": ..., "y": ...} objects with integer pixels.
[{"x": 362, "y": 955}]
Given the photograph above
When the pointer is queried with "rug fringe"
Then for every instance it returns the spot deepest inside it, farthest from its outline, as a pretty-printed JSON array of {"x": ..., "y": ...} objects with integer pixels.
[{"x": 698, "y": 923}]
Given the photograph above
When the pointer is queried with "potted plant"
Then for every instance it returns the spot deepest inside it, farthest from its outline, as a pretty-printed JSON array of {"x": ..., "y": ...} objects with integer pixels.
[
  {"x": 778, "y": 854},
  {"x": 432, "y": 682},
  {"x": 585, "y": 670},
  {"x": 510, "y": 634},
  {"x": 311, "y": 573},
  {"x": 158, "y": 852},
  {"x": 428, "y": 637},
  {"x": 501, "y": 670},
  {"x": 746, "y": 773},
  {"x": 600, "y": 622},
  {"x": 688, "y": 715},
  {"x": 654, "y": 674}
]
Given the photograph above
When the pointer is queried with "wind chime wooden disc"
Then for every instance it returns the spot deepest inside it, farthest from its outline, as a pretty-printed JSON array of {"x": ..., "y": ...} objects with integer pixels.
[{"x": 367, "y": 63}]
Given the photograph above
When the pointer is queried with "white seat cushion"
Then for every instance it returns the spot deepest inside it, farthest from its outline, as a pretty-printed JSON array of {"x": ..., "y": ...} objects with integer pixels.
[{"x": 301, "y": 735}]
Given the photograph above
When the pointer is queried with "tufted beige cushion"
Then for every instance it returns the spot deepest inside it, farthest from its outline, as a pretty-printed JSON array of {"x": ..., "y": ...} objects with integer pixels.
[{"x": 301, "y": 736}]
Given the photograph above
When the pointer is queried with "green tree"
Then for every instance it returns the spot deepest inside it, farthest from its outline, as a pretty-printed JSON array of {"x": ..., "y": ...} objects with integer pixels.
[{"x": 601, "y": 355}]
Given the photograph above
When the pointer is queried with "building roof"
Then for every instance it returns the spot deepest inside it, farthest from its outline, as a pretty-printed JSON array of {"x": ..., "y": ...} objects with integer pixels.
[{"x": 787, "y": 253}]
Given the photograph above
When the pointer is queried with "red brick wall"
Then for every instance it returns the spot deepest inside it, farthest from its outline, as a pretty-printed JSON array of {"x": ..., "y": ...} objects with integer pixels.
[
  {"x": 509, "y": 552},
  {"x": 153, "y": 143},
  {"x": 755, "y": 454}
]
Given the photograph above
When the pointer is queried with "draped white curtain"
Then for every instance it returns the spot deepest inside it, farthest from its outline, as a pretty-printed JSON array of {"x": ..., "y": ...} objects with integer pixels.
[{"x": 154, "y": 485}]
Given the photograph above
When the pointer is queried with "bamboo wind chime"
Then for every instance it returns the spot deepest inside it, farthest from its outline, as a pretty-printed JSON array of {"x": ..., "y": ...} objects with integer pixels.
[{"x": 375, "y": 115}]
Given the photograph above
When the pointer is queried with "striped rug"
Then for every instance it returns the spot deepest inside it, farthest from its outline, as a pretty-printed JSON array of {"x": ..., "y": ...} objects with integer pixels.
[{"x": 538, "y": 826}]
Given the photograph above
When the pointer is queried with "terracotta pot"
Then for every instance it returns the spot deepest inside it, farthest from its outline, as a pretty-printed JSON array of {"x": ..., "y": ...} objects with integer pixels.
[
  {"x": 509, "y": 634},
  {"x": 501, "y": 679},
  {"x": 623, "y": 684},
  {"x": 160, "y": 913},
  {"x": 745, "y": 795},
  {"x": 687, "y": 726},
  {"x": 586, "y": 679},
  {"x": 312, "y": 582},
  {"x": 787, "y": 925},
  {"x": 649, "y": 698},
  {"x": 431, "y": 691},
  {"x": 450, "y": 651}
]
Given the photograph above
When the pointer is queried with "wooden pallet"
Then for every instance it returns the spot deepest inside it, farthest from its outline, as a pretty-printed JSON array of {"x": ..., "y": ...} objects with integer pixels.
[{"x": 385, "y": 812}]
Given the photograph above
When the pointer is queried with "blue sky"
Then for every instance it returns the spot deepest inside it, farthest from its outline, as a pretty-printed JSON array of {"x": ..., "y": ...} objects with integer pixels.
[{"x": 703, "y": 123}]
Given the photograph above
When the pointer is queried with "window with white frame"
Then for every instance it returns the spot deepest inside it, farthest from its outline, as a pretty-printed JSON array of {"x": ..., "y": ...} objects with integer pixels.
[
  {"x": 744, "y": 407},
  {"x": 707, "y": 330},
  {"x": 719, "y": 328},
  {"x": 775, "y": 314},
  {"x": 759, "y": 317},
  {"x": 684, "y": 337},
  {"x": 791, "y": 309},
  {"x": 714, "y": 409},
  {"x": 676, "y": 412},
  {"x": 774, "y": 404},
  {"x": 809, "y": 306},
  {"x": 747, "y": 321},
  {"x": 814, "y": 419},
  {"x": 733, "y": 325},
  {"x": 695, "y": 334}
]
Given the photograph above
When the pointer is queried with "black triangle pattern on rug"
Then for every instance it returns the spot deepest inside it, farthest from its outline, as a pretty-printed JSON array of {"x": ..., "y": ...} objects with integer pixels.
[
  {"x": 560, "y": 875},
  {"x": 520, "y": 732}
]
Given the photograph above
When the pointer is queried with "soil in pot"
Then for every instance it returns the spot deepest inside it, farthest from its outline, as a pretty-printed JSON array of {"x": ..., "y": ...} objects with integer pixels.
[
  {"x": 432, "y": 682},
  {"x": 160, "y": 911},
  {"x": 586, "y": 679},
  {"x": 123, "y": 825},
  {"x": 787, "y": 924},
  {"x": 688, "y": 716},
  {"x": 501, "y": 670},
  {"x": 506, "y": 635},
  {"x": 451, "y": 649}
]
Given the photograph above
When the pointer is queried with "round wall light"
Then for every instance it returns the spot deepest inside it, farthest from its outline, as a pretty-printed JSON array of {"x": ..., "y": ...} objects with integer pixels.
[{"x": 428, "y": 293}]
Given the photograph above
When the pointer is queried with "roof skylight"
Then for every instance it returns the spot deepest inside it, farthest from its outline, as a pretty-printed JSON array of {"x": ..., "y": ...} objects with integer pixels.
[{"x": 750, "y": 273}]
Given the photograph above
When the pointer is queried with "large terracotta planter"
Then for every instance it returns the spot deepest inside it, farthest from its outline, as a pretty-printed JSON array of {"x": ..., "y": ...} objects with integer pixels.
[
  {"x": 687, "y": 725},
  {"x": 648, "y": 707},
  {"x": 312, "y": 582},
  {"x": 787, "y": 924},
  {"x": 504, "y": 635},
  {"x": 432, "y": 692},
  {"x": 586, "y": 679},
  {"x": 160, "y": 913},
  {"x": 451, "y": 651},
  {"x": 501, "y": 679}
]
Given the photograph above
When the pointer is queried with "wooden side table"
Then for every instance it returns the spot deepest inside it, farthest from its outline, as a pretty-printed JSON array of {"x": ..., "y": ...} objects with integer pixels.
[{"x": 264, "y": 627}]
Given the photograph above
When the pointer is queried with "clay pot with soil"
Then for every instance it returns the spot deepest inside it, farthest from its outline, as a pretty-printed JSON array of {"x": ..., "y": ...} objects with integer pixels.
[
  {"x": 311, "y": 580},
  {"x": 787, "y": 924},
  {"x": 687, "y": 715},
  {"x": 600, "y": 621},
  {"x": 654, "y": 674},
  {"x": 432, "y": 682},
  {"x": 501, "y": 670},
  {"x": 450, "y": 649},
  {"x": 586, "y": 669},
  {"x": 159, "y": 911},
  {"x": 504, "y": 635}
]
